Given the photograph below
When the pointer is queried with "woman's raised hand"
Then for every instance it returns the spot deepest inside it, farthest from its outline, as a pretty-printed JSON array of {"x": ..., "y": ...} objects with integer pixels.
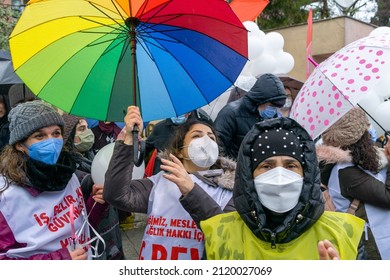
[
  {"x": 177, "y": 174},
  {"x": 133, "y": 117}
]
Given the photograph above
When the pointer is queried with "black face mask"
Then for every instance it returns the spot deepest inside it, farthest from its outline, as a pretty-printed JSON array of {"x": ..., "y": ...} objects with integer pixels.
[{"x": 51, "y": 178}]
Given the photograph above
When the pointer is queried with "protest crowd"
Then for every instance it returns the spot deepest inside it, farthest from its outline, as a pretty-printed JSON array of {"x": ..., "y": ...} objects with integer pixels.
[{"x": 273, "y": 175}]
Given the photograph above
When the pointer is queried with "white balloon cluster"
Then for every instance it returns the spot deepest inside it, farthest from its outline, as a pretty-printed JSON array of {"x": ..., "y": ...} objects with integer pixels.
[
  {"x": 377, "y": 102},
  {"x": 266, "y": 55}
]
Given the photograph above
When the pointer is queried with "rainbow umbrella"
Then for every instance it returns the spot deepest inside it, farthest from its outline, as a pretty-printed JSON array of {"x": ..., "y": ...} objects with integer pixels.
[{"x": 94, "y": 58}]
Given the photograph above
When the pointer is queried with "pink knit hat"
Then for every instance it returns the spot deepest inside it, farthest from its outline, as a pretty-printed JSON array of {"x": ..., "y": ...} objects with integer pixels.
[{"x": 347, "y": 130}]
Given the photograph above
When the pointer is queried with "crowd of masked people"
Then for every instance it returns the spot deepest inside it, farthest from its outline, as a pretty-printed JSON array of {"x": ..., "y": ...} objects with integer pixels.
[{"x": 247, "y": 185}]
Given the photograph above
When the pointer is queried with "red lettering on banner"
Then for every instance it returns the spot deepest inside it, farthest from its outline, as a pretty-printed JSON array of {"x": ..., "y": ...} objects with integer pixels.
[
  {"x": 176, "y": 251},
  {"x": 159, "y": 252},
  {"x": 51, "y": 222},
  {"x": 194, "y": 254},
  {"x": 38, "y": 220},
  {"x": 64, "y": 243},
  {"x": 68, "y": 200},
  {"x": 59, "y": 222},
  {"x": 178, "y": 233},
  {"x": 79, "y": 193},
  {"x": 155, "y": 231},
  {"x": 45, "y": 218},
  {"x": 157, "y": 221},
  {"x": 183, "y": 223},
  {"x": 198, "y": 235},
  {"x": 82, "y": 239},
  {"x": 140, "y": 251}
]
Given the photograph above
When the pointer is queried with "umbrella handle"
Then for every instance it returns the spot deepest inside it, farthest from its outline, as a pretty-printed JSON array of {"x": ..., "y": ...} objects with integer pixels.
[{"x": 139, "y": 146}]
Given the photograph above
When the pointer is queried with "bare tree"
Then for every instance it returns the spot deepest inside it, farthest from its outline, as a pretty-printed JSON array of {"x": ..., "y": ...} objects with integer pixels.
[{"x": 382, "y": 16}]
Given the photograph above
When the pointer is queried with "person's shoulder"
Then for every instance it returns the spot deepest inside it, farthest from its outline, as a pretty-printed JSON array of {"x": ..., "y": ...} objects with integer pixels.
[{"x": 229, "y": 110}]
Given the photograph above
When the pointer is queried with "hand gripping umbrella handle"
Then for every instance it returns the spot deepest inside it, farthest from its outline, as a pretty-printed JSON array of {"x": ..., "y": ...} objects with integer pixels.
[{"x": 139, "y": 146}]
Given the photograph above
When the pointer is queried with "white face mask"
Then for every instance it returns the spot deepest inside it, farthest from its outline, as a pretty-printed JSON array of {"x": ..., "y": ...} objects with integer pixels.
[
  {"x": 203, "y": 152},
  {"x": 288, "y": 103},
  {"x": 279, "y": 189}
]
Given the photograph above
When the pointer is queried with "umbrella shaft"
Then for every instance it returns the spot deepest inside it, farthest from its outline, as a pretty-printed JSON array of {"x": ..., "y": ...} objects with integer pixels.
[
  {"x": 133, "y": 65},
  {"x": 131, "y": 23}
]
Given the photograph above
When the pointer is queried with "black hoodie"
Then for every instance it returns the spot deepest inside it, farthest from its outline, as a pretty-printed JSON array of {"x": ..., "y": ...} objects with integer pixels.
[
  {"x": 237, "y": 118},
  {"x": 310, "y": 206}
]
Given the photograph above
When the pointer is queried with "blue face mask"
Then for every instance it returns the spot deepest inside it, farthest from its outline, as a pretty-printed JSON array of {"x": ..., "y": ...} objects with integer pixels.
[
  {"x": 179, "y": 120},
  {"x": 46, "y": 151},
  {"x": 372, "y": 132},
  {"x": 268, "y": 113}
]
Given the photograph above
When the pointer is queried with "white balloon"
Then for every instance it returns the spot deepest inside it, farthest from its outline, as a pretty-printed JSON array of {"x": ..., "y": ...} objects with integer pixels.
[
  {"x": 274, "y": 43},
  {"x": 382, "y": 115},
  {"x": 264, "y": 64},
  {"x": 382, "y": 88},
  {"x": 253, "y": 29},
  {"x": 370, "y": 103},
  {"x": 285, "y": 63},
  {"x": 255, "y": 47},
  {"x": 376, "y": 108},
  {"x": 100, "y": 164}
]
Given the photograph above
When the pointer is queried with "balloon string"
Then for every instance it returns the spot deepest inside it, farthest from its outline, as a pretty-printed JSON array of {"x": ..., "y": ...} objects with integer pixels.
[{"x": 73, "y": 232}]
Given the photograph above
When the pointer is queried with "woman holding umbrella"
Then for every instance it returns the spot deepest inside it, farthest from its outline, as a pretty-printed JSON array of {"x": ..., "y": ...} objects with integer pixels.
[{"x": 191, "y": 171}]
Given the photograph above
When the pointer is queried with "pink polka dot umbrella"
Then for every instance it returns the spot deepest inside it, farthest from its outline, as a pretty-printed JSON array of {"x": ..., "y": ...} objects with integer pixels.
[{"x": 340, "y": 82}]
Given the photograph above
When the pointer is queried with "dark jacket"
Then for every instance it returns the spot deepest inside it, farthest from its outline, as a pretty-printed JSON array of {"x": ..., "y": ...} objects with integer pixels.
[
  {"x": 355, "y": 183},
  {"x": 310, "y": 205},
  {"x": 104, "y": 135},
  {"x": 4, "y": 132},
  {"x": 353, "y": 180},
  {"x": 237, "y": 118}
]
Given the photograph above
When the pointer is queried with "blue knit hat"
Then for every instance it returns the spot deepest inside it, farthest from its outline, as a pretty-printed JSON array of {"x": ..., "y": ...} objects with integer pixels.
[{"x": 28, "y": 117}]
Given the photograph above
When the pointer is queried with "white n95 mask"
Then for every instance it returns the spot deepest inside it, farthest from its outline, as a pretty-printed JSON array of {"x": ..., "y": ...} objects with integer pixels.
[
  {"x": 203, "y": 151},
  {"x": 279, "y": 189}
]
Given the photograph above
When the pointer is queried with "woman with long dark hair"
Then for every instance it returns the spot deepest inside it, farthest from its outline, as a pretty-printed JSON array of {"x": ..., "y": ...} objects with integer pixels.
[
  {"x": 357, "y": 175},
  {"x": 192, "y": 173}
]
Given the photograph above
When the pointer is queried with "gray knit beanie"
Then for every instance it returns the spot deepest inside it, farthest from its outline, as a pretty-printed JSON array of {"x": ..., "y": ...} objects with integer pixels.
[
  {"x": 30, "y": 116},
  {"x": 347, "y": 130}
]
